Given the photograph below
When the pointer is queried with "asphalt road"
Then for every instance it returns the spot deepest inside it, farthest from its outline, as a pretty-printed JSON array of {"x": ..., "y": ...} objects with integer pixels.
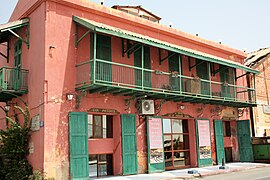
[{"x": 250, "y": 174}]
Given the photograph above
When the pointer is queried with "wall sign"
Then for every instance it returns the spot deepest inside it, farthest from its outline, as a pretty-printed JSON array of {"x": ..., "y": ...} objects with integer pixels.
[
  {"x": 156, "y": 161},
  {"x": 178, "y": 114},
  {"x": 99, "y": 110},
  {"x": 266, "y": 109},
  {"x": 155, "y": 140},
  {"x": 204, "y": 139},
  {"x": 229, "y": 113},
  {"x": 35, "y": 123}
]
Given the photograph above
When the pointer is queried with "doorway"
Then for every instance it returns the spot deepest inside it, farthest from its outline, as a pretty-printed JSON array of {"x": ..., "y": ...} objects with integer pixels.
[{"x": 176, "y": 143}]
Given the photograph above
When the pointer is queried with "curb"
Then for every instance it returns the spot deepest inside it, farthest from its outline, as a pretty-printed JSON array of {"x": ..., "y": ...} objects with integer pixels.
[{"x": 203, "y": 174}]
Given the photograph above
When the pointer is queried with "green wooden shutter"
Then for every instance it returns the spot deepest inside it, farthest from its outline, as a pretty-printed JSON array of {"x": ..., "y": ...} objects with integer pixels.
[
  {"x": 203, "y": 73},
  {"x": 17, "y": 74},
  {"x": 147, "y": 65},
  {"x": 104, "y": 70},
  {"x": 78, "y": 142},
  {"x": 219, "y": 141},
  {"x": 174, "y": 67},
  {"x": 129, "y": 144},
  {"x": 227, "y": 77},
  {"x": 244, "y": 141}
]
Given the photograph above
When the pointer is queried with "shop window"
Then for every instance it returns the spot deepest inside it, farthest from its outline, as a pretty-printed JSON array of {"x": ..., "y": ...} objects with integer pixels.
[
  {"x": 100, "y": 165},
  {"x": 176, "y": 143},
  {"x": 226, "y": 128},
  {"x": 100, "y": 126}
]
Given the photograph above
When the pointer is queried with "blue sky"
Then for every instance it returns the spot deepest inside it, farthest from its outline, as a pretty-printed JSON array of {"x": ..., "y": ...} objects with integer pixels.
[{"x": 240, "y": 24}]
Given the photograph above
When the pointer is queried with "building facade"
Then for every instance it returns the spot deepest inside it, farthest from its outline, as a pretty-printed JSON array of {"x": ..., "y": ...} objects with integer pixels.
[
  {"x": 114, "y": 93},
  {"x": 259, "y": 60}
]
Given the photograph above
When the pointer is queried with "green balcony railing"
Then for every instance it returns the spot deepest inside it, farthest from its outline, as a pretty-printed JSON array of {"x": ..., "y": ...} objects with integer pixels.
[
  {"x": 13, "y": 80},
  {"x": 125, "y": 79}
]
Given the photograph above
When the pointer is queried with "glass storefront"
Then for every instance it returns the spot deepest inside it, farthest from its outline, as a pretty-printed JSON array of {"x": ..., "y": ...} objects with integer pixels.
[{"x": 176, "y": 143}]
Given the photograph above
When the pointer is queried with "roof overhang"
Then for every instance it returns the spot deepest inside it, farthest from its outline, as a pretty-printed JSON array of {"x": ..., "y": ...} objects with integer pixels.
[
  {"x": 114, "y": 31},
  {"x": 7, "y": 29}
]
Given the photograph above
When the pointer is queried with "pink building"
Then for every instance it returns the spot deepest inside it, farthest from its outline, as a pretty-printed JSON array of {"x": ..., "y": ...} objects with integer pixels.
[{"x": 111, "y": 91}]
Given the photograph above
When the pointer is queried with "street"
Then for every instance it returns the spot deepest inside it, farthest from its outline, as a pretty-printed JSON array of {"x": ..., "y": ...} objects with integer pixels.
[{"x": 250, "y": 174}]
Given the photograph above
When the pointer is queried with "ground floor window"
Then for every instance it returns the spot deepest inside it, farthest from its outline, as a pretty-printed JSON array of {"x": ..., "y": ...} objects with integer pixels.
[
  {"x": 100, "y": 126},
  {"x": 176, "y": 143},
  {"x": 227, "y": 128},
  {"x": 100, "y": 165}
]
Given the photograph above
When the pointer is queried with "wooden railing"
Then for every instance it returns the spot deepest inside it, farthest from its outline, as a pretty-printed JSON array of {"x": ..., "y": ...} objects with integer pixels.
[
  {"x": 13, "y": 79},
  {"x": 134, "y": 78}
]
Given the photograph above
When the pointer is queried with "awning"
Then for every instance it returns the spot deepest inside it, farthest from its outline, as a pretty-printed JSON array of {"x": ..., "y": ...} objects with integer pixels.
[
  {"x": 9, "y": 29},
  {"x": 106, "y": 29}
]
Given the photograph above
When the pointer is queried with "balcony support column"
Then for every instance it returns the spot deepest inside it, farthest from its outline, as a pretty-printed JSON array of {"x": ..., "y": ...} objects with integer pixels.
[
  {"x": 142, "y": 67},
  {"x": 210, "y": 81},
  {"x": 180, "y": 73},
  {"x": 95, "y": 56}
]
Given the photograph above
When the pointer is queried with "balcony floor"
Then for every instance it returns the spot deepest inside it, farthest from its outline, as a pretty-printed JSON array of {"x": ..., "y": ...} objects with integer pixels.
[{"x": 162, "y": 94}]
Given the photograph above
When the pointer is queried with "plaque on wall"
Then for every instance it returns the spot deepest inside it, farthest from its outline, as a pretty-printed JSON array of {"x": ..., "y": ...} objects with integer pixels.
[
  {"x": 99, "y": 110},
  {"x": 35, "y": 123},
  {"x": 266, "y": 109}
]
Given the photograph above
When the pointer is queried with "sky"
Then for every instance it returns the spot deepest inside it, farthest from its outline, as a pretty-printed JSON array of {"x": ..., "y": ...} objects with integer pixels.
[{"x": 240, "y": 24}]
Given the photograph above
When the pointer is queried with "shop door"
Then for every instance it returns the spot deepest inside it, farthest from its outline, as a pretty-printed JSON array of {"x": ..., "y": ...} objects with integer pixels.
[
  {"x": 219, "y": 141},
  {"x": 129, "y": 144},
  {"x": 244, "y": 141},
  {"x": 176, "y": 143},
  {"x": 78, "y": 145}
]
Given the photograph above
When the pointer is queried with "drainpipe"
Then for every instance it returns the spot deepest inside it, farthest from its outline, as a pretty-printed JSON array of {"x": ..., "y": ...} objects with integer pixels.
[{"x": 251, "y": 108}]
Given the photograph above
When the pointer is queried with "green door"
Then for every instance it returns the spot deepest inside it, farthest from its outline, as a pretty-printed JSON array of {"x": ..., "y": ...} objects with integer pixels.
[
  {"x": 244, "y": 141},
  {"x": 17, "y": 75},
  {"x": 174, "y": 67},
  {"x": 129, "y": 144},
  {"x": 219, "y": 141},
  {"x": 202, "y": 71},
  {"x": 147, "y": 65},
  {"x": 103, "y": 52},
  {"x": 78, "y": 143},
  {"x": 227, "y": 77}
]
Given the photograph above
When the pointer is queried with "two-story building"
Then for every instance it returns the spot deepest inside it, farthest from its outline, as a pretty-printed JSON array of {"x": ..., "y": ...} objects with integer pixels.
[
  {"x": 260, "y": 60},
  {"x": 115, "y": 92}
]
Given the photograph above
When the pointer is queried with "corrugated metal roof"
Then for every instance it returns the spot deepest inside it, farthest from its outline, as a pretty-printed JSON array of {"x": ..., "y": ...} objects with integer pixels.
[
  {"x": 13, "y": 24},
  {"x": 254, "y": 57},
  {"x": 208, "y": 57},
  {"x": 4, "y": 33}
]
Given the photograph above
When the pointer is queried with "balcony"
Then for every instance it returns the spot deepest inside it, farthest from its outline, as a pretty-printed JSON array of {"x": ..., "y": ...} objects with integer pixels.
[
  {"x": 12, "y": 80},
  {"x": 120, "y": 79}
]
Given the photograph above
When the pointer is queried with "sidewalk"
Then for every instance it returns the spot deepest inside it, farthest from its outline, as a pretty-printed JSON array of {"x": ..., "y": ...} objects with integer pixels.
[{"x": 183, "y": 173}]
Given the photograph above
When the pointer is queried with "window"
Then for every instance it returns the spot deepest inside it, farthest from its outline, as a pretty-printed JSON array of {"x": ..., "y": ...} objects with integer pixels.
[
  {"x": 100, "y": 126},
  {"x": 100, "y": 165},
  {"x": 226, "y": 128},
  {"x": 176, "y": 143}
]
